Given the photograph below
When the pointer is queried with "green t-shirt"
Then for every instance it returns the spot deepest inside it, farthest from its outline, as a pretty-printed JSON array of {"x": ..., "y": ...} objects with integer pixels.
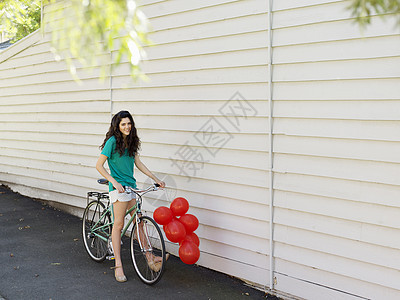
[{"x": 121, "y": 167}]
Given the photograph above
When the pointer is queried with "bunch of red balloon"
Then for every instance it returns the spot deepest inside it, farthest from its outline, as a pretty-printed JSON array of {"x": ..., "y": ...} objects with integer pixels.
[{"x": 180, "y": 230}]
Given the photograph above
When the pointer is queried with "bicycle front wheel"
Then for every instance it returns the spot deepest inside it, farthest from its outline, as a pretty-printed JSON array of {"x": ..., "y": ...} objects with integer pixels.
[
  {"x": 96, "y": 229},
  {"x": 147, "y": 250}
]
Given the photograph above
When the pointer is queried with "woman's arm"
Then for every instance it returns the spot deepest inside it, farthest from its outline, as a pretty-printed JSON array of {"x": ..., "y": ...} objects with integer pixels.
[
  {"x": 141, "y": 166},
  {"x": 100, "y": 167}
]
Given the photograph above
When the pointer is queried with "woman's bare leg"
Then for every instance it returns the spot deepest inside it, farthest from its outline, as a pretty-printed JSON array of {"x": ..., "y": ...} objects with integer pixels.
[
  {"x": 119, "y": 209},
  {"x": 143, "y": 238}
]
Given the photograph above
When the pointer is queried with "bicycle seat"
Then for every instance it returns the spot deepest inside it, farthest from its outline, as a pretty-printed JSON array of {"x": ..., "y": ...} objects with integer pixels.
[{"x": 102, "y": 181}]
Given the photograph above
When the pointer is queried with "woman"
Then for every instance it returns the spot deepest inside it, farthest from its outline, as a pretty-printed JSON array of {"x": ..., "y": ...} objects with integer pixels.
[{"x": 120, "y": 149}]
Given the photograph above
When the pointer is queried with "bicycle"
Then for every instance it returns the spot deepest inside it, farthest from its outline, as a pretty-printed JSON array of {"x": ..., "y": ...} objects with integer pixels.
[{"x": 146, "y": 240}]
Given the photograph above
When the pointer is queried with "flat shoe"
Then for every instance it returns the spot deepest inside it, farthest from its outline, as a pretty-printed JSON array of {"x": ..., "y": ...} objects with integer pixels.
[
  {"x": 159, "y": 257},
  {"x": 155, "y": 266},
  {"x": 119, "y": 278}
]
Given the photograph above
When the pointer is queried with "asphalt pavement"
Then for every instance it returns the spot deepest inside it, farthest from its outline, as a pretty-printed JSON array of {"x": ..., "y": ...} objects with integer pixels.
[{"x": 42, "y": 257}]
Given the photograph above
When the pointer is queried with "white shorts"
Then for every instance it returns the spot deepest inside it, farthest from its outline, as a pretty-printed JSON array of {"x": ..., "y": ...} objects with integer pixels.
[{"x": 122, "y": 197}]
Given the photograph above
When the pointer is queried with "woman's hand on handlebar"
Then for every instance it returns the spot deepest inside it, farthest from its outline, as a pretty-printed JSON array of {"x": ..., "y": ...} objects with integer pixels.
[{"x": 161, "y": 183}]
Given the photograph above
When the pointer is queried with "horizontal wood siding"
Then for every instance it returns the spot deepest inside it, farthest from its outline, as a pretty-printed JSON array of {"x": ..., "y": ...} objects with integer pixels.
[
  {"x": 204, "y": 54},
  {"x": 50, "y": 126},
  {"x": 336, "y": 153}
]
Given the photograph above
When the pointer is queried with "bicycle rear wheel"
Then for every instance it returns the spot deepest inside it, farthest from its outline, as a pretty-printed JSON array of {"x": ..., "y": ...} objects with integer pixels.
[
  {"x": 147, "y": 245},
  {"x": 96, "y": 228}
]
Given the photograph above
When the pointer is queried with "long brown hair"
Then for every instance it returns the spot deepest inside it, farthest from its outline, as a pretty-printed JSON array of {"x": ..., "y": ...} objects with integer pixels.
[{"x": 132, "y": 140}]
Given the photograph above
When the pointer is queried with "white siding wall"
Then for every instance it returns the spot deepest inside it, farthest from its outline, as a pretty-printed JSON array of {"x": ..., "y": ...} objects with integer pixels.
[
  {"x": 336, "y": 104},
  {"x": 205, "y": 53},
  {"x": 336, "y": 152},
  {"x": 50, "y": 127}
]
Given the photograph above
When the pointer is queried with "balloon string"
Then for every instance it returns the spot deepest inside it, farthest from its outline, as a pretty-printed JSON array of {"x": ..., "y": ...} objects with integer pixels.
[{"x": 167, "y": 195}]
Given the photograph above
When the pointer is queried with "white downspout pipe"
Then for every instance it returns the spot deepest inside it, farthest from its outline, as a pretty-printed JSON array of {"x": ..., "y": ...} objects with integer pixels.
[{"x": 270, "y": 135}]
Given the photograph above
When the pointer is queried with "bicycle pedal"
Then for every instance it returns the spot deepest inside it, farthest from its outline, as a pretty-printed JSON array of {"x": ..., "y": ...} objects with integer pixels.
[{"x": 110, "y": 257}]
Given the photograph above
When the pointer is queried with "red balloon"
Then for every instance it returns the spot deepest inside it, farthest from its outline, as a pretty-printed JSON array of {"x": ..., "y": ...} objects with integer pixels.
[
  {"x": 179, "y": 206},
  {"x": 175, "y": 231},
  {"x": 190, "y": 222},
  {"x": 189, "y": 252},
  {"x": 191, "y": 237},
  {"x": 162, "y": 215},
  {"x": 166, "y": 230}
]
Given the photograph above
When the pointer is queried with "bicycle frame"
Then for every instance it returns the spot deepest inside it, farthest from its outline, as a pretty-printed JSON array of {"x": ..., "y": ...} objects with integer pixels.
[
  {"x": 109, "y": 210},
  {"x": 136, "y": 208}
]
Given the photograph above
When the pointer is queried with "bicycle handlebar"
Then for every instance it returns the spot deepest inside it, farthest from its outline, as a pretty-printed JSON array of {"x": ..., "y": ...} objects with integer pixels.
[{"x": 153, "y": 187}]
